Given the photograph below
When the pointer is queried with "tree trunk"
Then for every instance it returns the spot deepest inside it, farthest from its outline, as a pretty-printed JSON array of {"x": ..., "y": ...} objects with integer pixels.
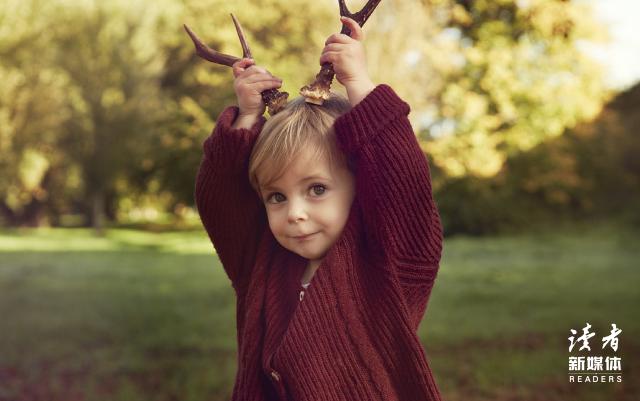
[{"x": 97, "y": 212}]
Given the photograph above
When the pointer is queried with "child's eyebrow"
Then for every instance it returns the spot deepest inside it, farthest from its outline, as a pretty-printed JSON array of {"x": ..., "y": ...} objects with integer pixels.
[{"x": 307, "y": 178}]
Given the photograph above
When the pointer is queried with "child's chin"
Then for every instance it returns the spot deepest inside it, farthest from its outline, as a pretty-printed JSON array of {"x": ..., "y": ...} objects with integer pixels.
[
  {"x": 306, "y": 255},
  {"x": 307, "y": 251}
]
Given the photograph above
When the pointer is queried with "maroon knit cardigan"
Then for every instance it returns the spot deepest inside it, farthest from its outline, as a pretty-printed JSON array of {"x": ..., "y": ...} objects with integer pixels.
[{"x": 353, "y": 337}]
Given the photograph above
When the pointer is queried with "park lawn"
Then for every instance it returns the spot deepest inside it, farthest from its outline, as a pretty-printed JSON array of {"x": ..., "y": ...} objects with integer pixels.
[
  {"x": 498, "y": 322},
  {"x": 150, "y": 316}
]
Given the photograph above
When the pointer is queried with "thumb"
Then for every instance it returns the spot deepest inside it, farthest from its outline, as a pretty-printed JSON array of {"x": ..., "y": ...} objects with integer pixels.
[{"x": 354, "y": 27}]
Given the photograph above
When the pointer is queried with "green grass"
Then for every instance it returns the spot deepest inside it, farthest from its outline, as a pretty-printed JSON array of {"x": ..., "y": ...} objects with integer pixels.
[
  {"x": 151, "y": 316},
  {"x": 499, "y": 317}
]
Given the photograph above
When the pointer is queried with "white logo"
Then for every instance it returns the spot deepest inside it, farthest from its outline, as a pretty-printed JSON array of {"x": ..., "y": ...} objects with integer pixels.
[{"x": 591, "y": 369}]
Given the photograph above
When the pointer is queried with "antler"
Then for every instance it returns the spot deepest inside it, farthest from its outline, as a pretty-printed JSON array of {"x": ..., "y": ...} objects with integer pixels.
[
  {"x": 272, "y": 98},
  {"x": 318, "y": 91}
]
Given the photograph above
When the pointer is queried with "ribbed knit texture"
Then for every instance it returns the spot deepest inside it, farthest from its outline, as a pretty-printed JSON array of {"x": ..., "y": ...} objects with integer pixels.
[{"x": 353, "y": 336}]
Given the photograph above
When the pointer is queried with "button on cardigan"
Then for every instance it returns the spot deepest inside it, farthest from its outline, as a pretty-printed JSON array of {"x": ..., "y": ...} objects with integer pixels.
[{"x": 353, "y": 338}]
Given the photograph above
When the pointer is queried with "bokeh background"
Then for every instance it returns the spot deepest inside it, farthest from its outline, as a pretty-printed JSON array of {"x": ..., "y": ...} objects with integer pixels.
[{"x": 529, "y": 114}]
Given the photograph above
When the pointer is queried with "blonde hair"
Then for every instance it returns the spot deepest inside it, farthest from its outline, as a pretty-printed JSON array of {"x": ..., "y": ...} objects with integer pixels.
[{"x": 299, "y": 126}]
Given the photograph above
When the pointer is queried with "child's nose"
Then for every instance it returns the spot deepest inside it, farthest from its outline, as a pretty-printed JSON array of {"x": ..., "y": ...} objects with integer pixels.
[{"x": 297, "y": 211}]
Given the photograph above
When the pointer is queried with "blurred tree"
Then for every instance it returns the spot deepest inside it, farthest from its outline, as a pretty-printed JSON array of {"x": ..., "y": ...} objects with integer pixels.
[
  {"x": 108, "y": 51},
  {"x": 33, "y": 108},
  {"x": 123, "y": 100},
  {"x": 607, "y": 155},
  {"x": 519, "y": 79},
  {"x": 591, "y": 171},
  {"x": 84, "y": 99},
  {"x": 107, "y": 110}
]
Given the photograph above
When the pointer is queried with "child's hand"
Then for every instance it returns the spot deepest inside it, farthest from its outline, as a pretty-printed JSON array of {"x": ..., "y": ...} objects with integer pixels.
[
  {"x": 250, "y": 81},
  {"x": 349, "y": 61}
]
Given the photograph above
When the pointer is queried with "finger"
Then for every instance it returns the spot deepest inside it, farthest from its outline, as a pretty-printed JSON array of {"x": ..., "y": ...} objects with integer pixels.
[
  {"x": 338, "y": 38},
  {"x": 261, "y": 78},
  {"x": 334, "y": 47},
  {"x": 241, "y": 65},
  {"x": 254, "y": 69},
  {"x": 354, "y": 27},
  {"x": 265, "y": 85},
  {"x": 329, "y": 57},
  {"x": 244, "y": 62}
]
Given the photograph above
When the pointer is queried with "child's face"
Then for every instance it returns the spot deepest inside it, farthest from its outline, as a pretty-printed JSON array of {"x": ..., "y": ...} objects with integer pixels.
[{"x": 309, "y": 199}]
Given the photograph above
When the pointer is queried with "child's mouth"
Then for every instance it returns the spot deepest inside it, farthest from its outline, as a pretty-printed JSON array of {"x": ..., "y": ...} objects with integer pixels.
[{"x": 304, "y": 237}]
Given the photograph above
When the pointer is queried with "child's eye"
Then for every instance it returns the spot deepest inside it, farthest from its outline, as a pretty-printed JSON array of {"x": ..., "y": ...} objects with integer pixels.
[
  {"x": 318, "y": 189},
  {"x": 273, "y": 196},
  {"x": 277, "y": 197}
]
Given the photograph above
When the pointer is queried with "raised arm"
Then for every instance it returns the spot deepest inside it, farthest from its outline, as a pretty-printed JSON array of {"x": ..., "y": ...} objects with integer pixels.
[
  {"x": 229, "y": 208},
  {"x": 393, "y": 190},
  {"x": 393, "y": 183}
]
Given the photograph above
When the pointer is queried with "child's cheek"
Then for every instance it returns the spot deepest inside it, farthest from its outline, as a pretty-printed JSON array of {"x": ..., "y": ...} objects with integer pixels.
[
  {"x": 272, "y": 221},
  {"x": 277, "y": 220}
]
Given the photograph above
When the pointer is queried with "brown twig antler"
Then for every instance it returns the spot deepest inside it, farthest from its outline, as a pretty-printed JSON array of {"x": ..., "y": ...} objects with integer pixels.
[
  {"x": 318, "y": 91},
  {"x": 272, "y": 98}
]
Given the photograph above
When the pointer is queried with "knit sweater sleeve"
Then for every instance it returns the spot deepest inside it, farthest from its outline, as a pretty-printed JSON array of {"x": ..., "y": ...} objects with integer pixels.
[
  {"x": 393, "y": 185},
  {"x": 229, "y": 208}
]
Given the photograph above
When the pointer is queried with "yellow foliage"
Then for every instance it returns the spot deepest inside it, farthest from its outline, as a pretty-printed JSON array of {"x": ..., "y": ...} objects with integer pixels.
[{"x": 32, "y": 168}]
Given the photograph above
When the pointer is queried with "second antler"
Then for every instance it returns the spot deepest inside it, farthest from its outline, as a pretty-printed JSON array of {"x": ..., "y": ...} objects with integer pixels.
[
  {"x": 318, "y": 91},
  {"x": 272, "y": 98}
]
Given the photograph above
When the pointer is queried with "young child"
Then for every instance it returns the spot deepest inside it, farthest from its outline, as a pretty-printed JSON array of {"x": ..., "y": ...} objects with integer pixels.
[{"x": 336, "y": 198}]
